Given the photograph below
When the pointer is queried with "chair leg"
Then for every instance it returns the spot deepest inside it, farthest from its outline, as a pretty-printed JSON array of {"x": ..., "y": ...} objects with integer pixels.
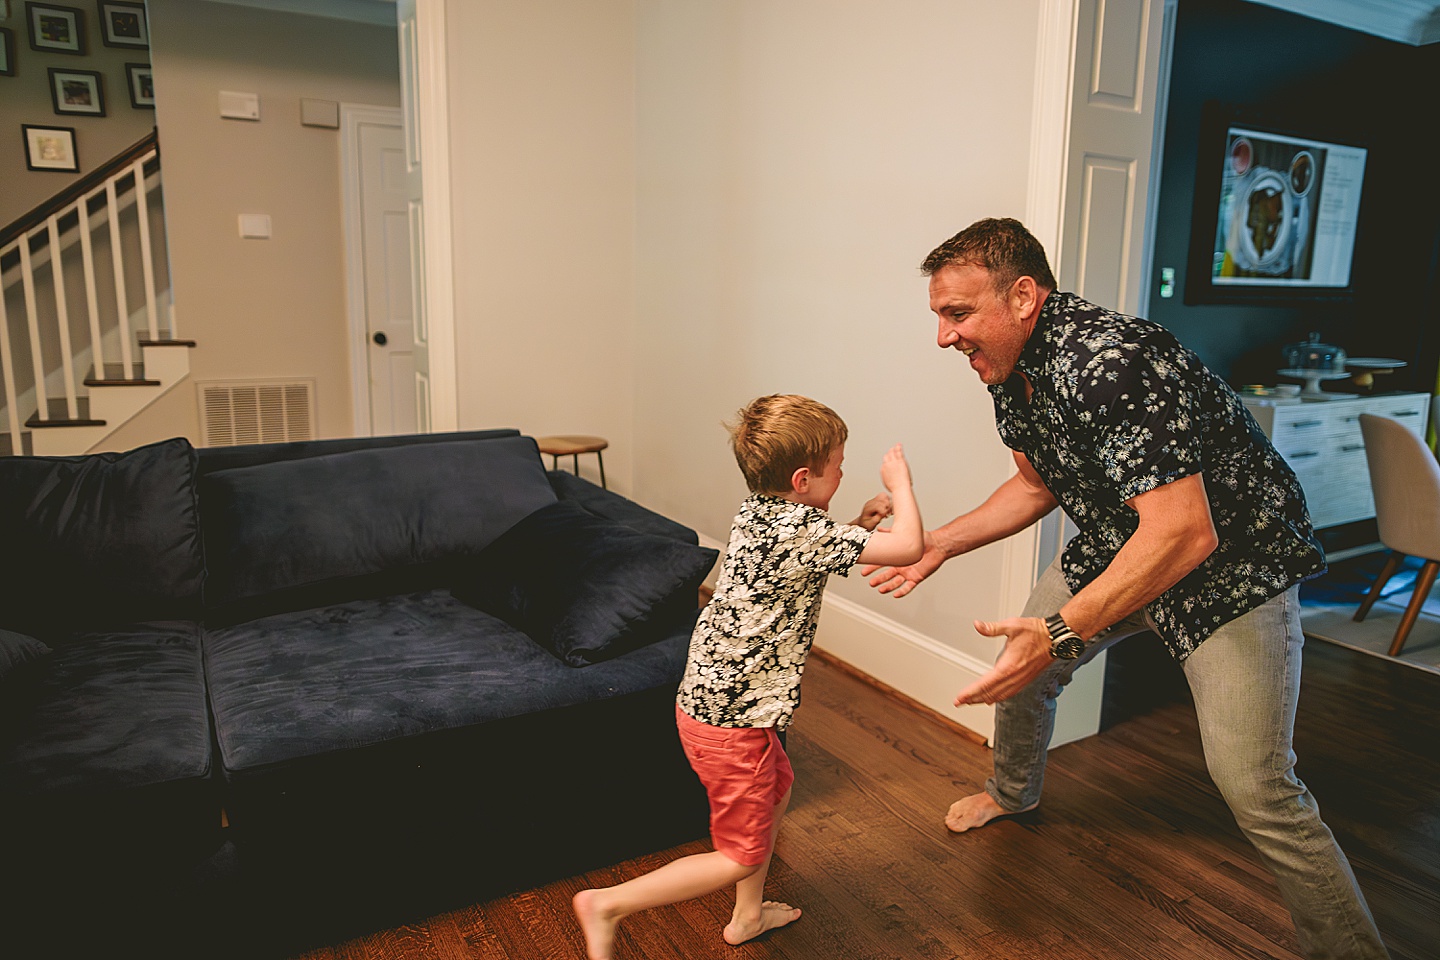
[
  {"x": 1392, "y": 563},
  {"x": 1423, "y": 583},
  {"x": 599, "y": 456}
]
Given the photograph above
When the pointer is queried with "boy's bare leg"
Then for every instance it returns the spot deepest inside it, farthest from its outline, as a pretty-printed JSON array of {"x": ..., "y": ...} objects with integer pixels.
[
  {"x": 601, "y": 910},
  {"x": 754, "y": 914},
  {"x": 976, "y": 810}
]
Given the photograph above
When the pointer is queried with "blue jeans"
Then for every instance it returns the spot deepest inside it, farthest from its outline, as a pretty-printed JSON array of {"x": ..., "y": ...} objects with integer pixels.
[{"x": 1245, "y": 679}]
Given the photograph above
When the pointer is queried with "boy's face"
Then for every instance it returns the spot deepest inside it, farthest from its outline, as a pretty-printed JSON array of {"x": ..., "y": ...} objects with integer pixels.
[{"x": 822, "y": 486}]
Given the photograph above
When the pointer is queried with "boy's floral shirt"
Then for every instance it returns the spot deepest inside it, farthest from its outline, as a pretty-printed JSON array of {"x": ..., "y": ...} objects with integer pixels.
[
  {"x": 1120, "y": 407},
  {"x": 750, "y": 643}
]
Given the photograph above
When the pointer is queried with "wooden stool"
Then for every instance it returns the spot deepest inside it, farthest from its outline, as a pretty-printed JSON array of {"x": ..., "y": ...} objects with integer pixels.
[{"x": 573, "y": 446}]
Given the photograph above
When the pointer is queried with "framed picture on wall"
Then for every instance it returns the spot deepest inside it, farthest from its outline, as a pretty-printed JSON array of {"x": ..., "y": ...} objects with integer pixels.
[
  {"x": 55, "y": 29},
  {"x": 123, "y": 24},
  {"x": 7, "y": 52},
  {"x": 50, "y": 148},
  {"x": 79, "y": 92},
  {"x": 142, "y": 85}
]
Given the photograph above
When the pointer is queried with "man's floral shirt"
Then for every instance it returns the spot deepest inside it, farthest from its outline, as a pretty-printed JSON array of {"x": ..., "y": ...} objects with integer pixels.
[
  {"x": 1119, "y": 408},
  {"x": 750, "y": 643}
]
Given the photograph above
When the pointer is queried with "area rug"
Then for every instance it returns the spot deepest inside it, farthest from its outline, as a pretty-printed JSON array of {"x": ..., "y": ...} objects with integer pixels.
[
  {"x": 1374, "y": 634},
  {"x": 1328, "y": 604}
]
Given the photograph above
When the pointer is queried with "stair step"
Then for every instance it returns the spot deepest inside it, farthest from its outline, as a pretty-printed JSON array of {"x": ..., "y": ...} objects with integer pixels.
[
  {"x": 167, "y": 343},
  {"x": 60, "y": 415},
  {"x": 119, "y": 375}
]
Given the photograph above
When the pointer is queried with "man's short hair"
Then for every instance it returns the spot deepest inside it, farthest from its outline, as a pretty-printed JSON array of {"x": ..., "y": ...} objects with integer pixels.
[
  {"x": 776, "y": 435},
  {"x": 1002, "y": 246}
]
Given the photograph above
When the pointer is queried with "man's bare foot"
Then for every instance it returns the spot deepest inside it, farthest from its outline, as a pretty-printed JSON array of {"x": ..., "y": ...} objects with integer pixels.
[
  {"x": 977, "y": 810},
  {"x": 772, "y": 914},
  {"x": 596, "y": 924}
]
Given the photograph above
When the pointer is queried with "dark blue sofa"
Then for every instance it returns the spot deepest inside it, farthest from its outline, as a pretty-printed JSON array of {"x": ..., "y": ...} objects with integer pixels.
[{"x": 393, "y": 674}]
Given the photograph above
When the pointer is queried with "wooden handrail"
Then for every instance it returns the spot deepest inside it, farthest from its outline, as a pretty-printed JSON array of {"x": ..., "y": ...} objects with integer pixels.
[{"x": 78, "y": 189}]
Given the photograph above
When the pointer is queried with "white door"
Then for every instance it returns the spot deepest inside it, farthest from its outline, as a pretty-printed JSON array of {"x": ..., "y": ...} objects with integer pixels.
[
  {"x": 1116, "y": 117},
  {"x": 386, "y": 189}
]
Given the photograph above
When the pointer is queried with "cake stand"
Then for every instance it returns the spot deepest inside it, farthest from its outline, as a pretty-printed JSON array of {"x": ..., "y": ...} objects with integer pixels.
[{"x": 1313, "y": 378}]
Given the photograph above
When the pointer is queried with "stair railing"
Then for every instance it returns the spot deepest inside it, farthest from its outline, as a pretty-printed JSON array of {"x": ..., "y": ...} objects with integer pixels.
[{"x": 44, "y": 234}]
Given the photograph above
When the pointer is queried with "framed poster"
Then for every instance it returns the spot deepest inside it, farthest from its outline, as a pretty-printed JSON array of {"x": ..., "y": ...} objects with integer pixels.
[
  {"x": 7, "y": 52},
  {"x": 55, "y": 29},
  {"x": 80, "y": 92},
  {"x": 50, "y": 148},
  {"x": 141, "y": 82},
  {"x": 123, "y": 24},
  {"x": 1277, "y": 210}
]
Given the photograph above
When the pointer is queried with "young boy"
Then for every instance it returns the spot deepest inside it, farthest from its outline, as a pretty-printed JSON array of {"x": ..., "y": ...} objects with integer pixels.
[{"x": 742, "y": 680}]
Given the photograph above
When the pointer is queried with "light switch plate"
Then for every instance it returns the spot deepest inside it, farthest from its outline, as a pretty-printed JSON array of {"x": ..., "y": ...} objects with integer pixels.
[
  {"x": 239, "y": 106},
  {"x": 319, "y": 113},
  {"x": 255, "y": 226}
]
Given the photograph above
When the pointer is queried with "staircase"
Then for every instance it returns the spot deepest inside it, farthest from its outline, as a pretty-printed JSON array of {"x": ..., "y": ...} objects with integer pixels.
[{"x": 87, "y": 330}]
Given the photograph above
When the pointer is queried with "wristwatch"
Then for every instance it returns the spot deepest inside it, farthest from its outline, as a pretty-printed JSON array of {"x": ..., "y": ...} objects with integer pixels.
[{"x": 1065, "y": 644}]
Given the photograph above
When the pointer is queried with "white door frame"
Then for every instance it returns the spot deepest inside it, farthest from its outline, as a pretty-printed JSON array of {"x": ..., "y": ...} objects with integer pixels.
[
  {"x": 352, "y": 117},
  {"x": 1029, "y": 553},
  {"x": 426, "y": 92}
]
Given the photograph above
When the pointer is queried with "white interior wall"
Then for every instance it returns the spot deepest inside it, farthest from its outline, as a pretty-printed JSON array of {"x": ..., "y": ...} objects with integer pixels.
[
  {"x": 663, "y": 208},
  {"x": 796, "y": 162},
  {"x": 542, "y": 138}
]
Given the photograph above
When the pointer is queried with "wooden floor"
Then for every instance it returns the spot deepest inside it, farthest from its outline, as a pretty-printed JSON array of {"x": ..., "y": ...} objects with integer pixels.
[{"x": 1132, "y": 854}]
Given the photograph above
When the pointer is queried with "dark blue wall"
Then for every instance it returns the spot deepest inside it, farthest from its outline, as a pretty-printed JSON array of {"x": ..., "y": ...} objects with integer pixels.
[{"x": 1291, "y": 67}]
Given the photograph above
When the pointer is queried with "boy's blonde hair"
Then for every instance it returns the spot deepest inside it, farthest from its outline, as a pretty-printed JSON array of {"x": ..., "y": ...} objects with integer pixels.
[{"x": 776, "y": 435}]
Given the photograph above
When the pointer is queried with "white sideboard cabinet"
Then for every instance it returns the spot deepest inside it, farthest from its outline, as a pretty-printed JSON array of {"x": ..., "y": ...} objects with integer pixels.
[{"x": 1321, "y": 441}]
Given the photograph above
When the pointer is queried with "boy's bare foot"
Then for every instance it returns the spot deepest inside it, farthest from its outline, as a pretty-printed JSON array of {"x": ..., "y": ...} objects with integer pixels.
[
  {"x": 598, "y": 927},
  {"x": 772, "y": 914},
  {"x": 976, "y": 810}
]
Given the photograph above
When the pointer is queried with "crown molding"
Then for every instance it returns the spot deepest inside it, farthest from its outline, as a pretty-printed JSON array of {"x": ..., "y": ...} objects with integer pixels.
[{"x": 1416, "y": 22}]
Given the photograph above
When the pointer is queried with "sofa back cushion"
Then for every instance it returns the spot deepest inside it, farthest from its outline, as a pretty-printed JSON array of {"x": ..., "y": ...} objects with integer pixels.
[
  {"x": 101, "y": 538},
  {"x": 299, "y": 533}
]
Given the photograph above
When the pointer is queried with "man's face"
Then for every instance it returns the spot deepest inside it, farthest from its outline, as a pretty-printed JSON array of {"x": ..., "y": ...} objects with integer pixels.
[{"x": 988, "y": 327}]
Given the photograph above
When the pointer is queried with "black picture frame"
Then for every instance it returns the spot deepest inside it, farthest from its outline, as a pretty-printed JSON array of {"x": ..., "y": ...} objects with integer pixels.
[
  {"x": 123, "y": 24},
  {"x": 55, "y": 29},
  {"x": 77, "y": 92},
  {"x": 141, "y": 81},
  {"x": 49, "y": 148},
  {"x": 7, "y": 52},
  {"x": 1259, "y": 233}
]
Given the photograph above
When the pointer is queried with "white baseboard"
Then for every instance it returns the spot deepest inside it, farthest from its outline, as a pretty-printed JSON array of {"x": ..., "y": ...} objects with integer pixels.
[{"x": 922, "y": 668}]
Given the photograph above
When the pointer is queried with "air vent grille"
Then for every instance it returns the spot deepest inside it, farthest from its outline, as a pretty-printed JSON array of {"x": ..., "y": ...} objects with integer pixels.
[{"x": 252, "y": 411}]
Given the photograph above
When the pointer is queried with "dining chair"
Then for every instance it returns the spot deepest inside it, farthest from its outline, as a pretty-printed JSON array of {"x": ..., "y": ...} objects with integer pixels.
[{"x": 1405, "y": 478}]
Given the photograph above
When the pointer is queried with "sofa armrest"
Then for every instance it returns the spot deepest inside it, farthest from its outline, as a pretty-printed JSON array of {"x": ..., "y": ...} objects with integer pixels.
[{"x": 613, "y": 506}]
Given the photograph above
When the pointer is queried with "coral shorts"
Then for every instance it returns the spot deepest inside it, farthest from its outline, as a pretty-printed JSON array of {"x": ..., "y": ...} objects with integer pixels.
[{"x": 746, "y": 774}]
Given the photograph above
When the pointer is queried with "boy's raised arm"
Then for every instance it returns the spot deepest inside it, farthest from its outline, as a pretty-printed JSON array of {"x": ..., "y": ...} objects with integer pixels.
[{"x": 904, "y": 542}]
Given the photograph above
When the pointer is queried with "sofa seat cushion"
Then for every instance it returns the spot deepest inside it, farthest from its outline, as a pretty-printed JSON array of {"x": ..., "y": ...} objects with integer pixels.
[
  {"x": 120, "y": 530},
  {"x": 296, "y": 534},
  {"x": 117, "y": 710},
  {"x": 296, "y": 685}
]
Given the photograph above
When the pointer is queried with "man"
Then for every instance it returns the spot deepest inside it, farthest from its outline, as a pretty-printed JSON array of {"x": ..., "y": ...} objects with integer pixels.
[{"x": 1190, "y": 526}]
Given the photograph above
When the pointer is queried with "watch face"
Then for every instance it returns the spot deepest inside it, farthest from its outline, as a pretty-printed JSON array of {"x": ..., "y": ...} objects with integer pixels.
[{"x": 1067, "y": 648}]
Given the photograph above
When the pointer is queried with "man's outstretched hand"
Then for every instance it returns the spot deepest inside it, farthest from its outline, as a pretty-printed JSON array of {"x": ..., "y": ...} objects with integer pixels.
[
  {"x": 901, "y": 580},
  {"x": 1025, "y": 657}
]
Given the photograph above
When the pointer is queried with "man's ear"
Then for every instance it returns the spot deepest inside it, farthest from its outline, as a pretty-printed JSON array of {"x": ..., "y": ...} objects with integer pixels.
[
  {"x": 1024, "y": 295},
  {"x": 800, "y": 480}
]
